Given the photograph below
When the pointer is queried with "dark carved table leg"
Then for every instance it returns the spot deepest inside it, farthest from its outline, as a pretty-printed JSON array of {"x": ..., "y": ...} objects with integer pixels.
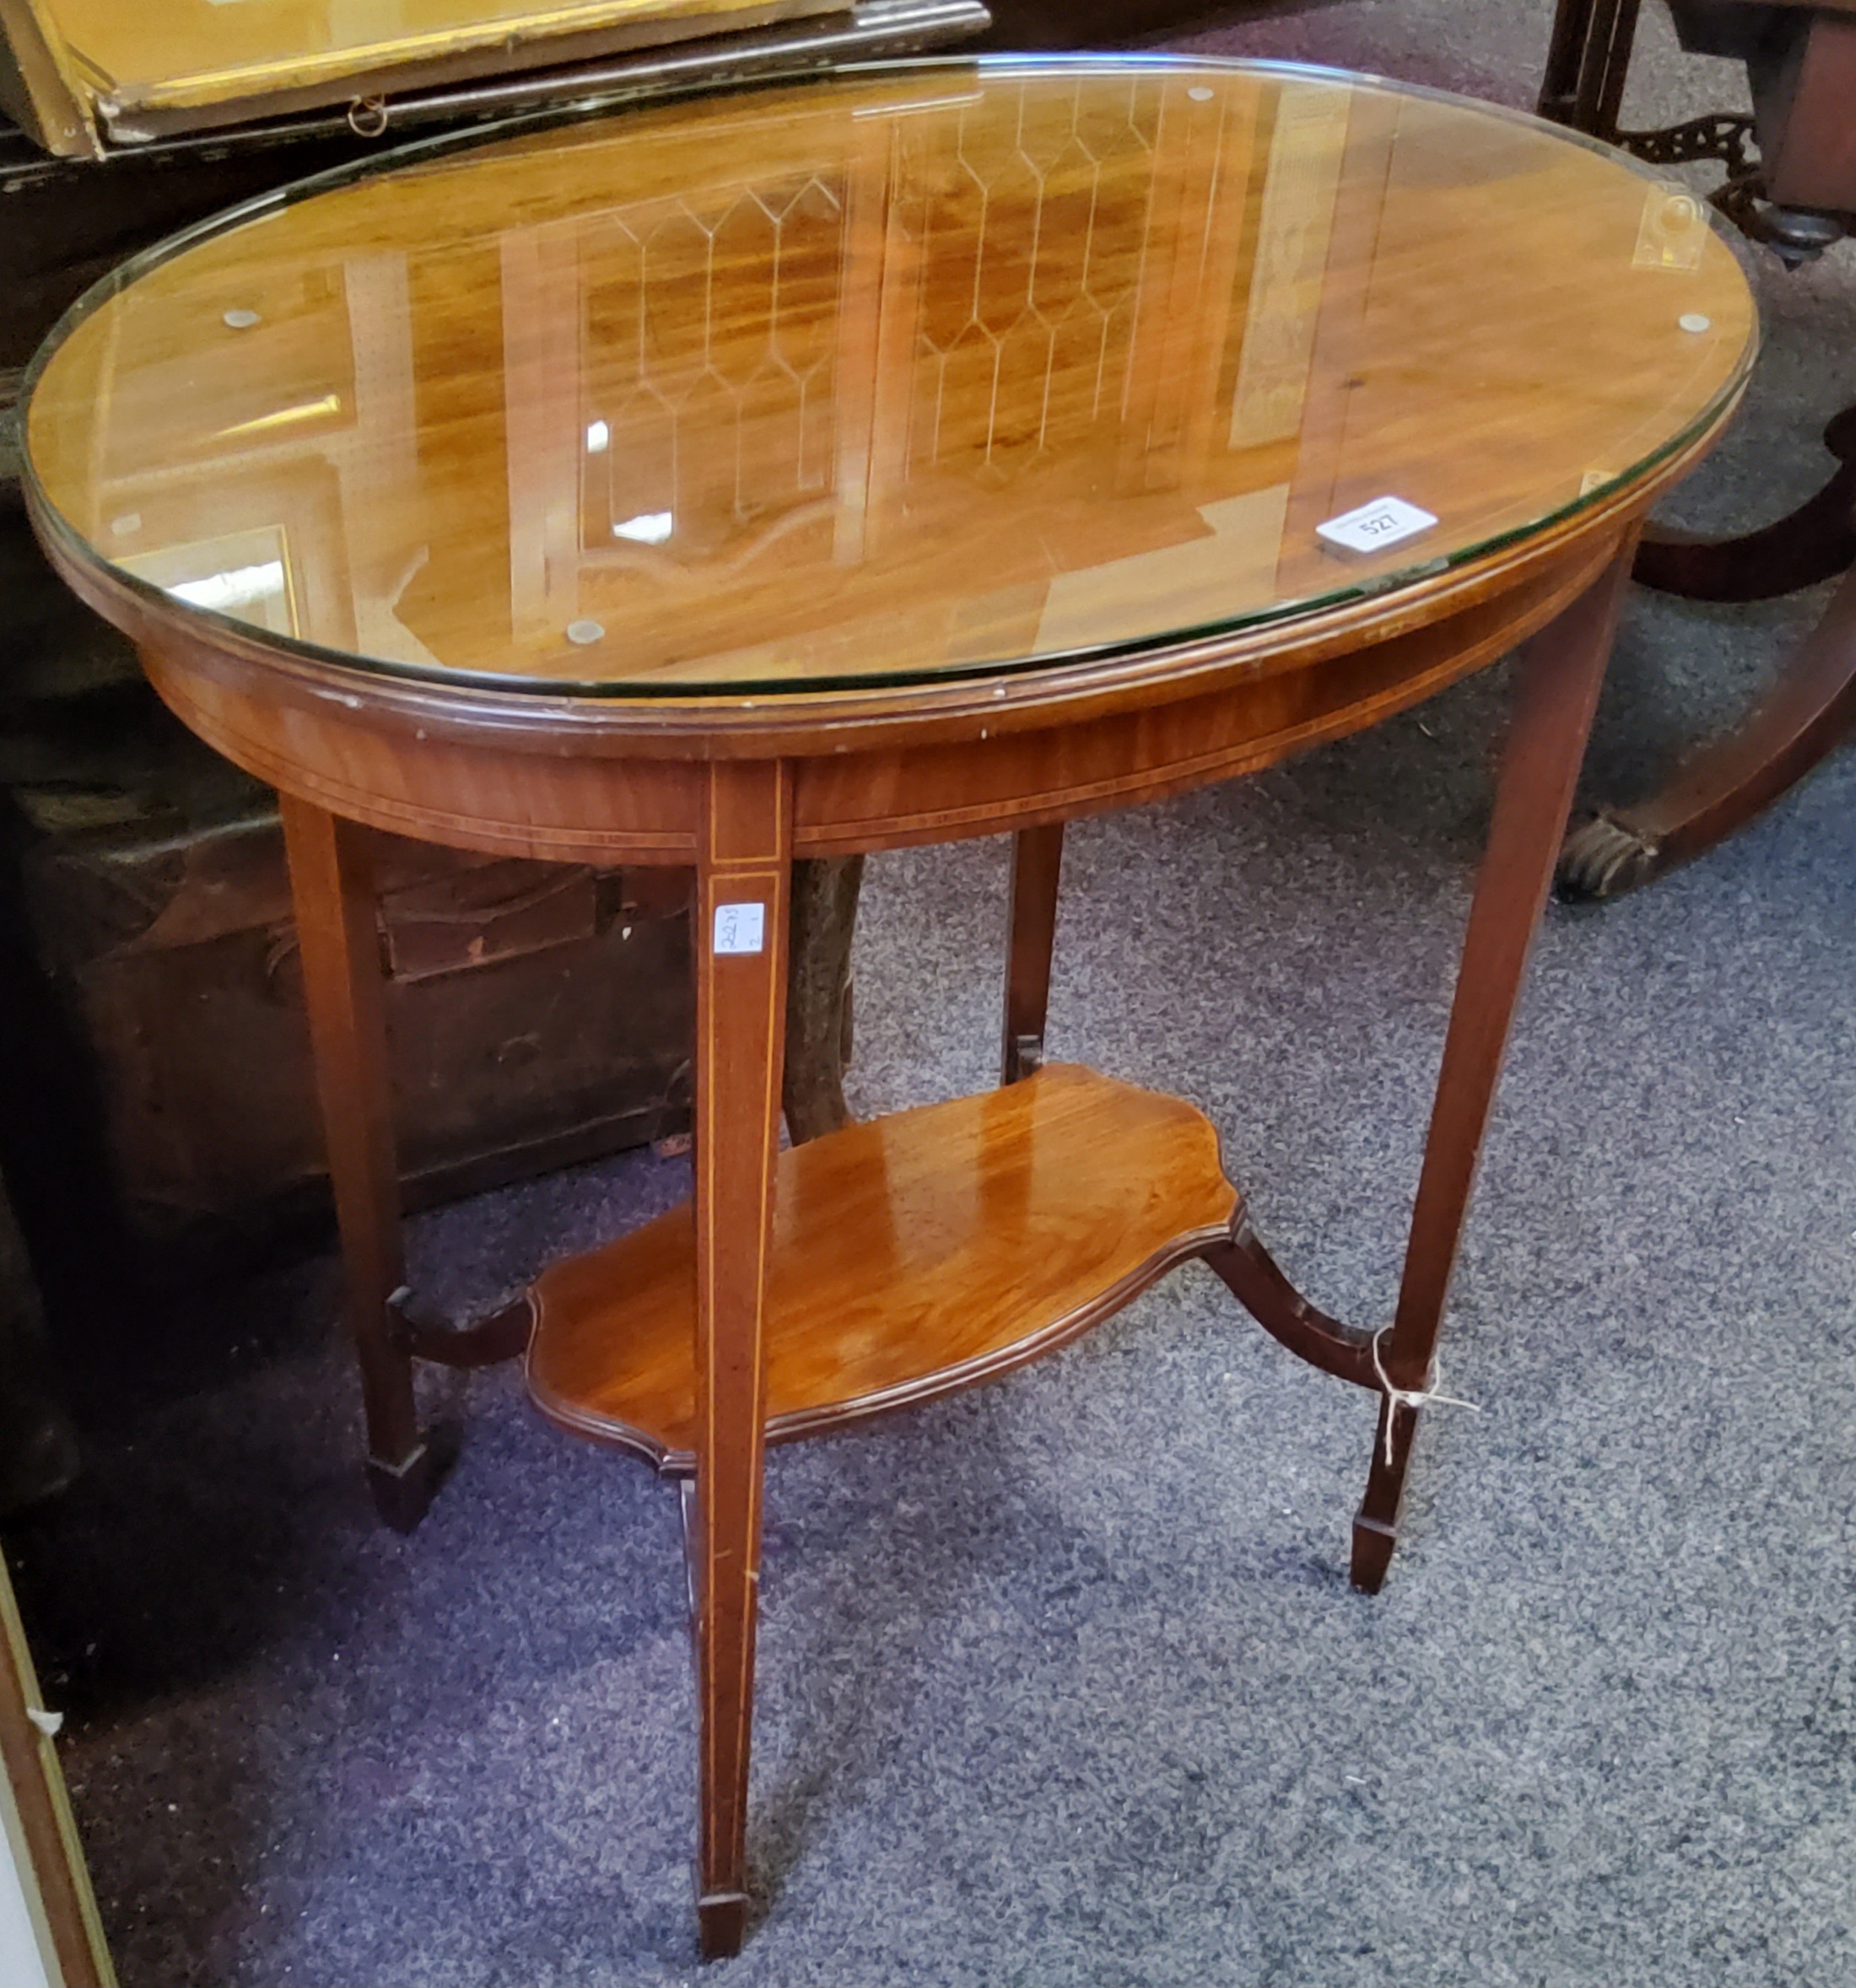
[
  {"x": 1810, "y": 709},
  {"x": 332, "y": 884},
  {"x": 1587, "y": 60},
  {"x": 1559, "y": 673},
  {"x": 740, "y": 1023}
]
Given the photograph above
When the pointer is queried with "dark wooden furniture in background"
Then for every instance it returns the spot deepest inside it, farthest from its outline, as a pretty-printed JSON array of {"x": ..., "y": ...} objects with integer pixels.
[
  {"x": 949, "y": 452},
  {"x": 1103, "y": 24},
  {"x": 1798, "y": 195}
]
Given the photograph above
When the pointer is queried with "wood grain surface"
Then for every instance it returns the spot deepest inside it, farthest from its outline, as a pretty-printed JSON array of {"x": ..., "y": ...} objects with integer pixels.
[{"x": 912, "y": 1255}]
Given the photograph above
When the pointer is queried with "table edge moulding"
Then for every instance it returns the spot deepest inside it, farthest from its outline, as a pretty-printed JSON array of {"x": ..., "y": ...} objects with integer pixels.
[{"x": 802, "y": 1291}]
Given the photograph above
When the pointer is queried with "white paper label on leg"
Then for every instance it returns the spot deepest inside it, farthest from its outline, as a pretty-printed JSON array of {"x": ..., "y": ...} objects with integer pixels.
[
  {"x": 741, "y": 928},
  {"x": 1371, "y": 528}
]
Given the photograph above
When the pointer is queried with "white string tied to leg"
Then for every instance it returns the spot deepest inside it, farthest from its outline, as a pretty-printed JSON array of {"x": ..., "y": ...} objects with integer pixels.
[{"x": 1412, "y": 1397}]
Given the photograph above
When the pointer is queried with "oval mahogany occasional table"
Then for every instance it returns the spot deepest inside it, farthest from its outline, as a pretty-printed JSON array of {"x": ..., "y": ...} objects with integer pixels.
[{"x": 913, "y": 454}]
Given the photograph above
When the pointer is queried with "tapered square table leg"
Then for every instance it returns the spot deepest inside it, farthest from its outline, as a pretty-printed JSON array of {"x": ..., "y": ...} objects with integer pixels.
[
  {"x": 332, "y": 884},
  {"x": 743, "y": 884},
  {"x": 1560, "y": 673}
]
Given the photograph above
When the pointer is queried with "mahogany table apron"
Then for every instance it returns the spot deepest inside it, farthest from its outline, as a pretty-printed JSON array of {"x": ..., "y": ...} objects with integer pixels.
[{"x": 1116, "y": 354}]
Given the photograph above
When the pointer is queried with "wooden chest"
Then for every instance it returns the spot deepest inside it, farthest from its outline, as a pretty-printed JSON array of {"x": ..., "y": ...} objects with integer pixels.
[{"x": 540, "y": 1014}]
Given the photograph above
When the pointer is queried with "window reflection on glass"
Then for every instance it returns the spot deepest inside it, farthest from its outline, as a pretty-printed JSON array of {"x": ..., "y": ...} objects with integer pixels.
[{"x": 245, "y": 575}]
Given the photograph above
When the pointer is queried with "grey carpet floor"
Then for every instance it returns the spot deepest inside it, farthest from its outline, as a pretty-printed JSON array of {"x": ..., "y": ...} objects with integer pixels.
[{"x": 1062, "y": 1681}]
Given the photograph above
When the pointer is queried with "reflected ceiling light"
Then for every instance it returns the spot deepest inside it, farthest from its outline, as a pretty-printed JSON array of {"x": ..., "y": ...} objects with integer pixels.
[
  {"x": 598, "y": 435},
  {"x": 649, "y": 528},
  {"x": 283, "y": 417}
]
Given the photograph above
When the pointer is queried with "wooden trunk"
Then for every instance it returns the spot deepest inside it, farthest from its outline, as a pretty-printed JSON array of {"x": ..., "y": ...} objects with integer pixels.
[{"x": 540, "y": 1013}]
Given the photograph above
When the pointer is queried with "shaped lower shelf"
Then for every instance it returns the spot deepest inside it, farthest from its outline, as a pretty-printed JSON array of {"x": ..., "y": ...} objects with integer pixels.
[{"x": 912, "y": 1255}]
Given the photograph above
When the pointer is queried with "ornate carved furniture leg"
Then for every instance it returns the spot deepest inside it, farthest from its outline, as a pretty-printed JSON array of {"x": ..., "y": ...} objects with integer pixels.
[
  {"x": 1559, "y": 673},
  {"x": 1587, "y": 60},
  {"x": 1803, "y": 549},
  {"x": 1809, "y": 710},
  {"x": 825, "y": 890},
  {"x": 334, "y": 892},
  {"x": 1037, "y": 864},
  {"x": 742, "y": 909},
  {"x": 1565, "y": 58}
]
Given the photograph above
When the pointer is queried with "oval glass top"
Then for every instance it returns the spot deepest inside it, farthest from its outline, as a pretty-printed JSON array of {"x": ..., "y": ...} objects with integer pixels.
[{"x": 944, "y": 370}]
